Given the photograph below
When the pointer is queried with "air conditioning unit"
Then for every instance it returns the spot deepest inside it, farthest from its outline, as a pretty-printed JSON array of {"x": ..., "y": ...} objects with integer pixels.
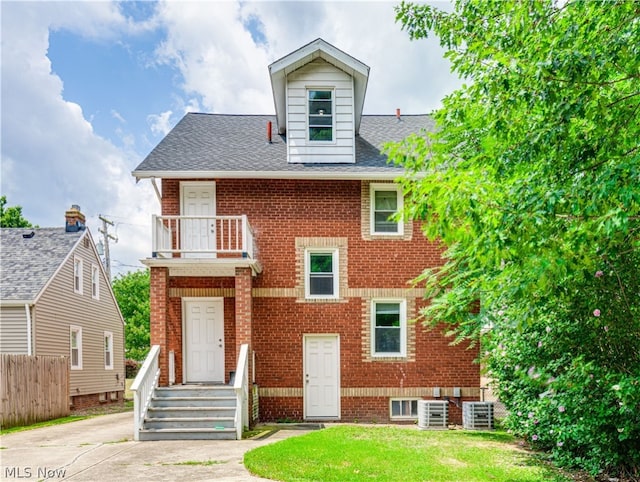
[
  {"x": 432, "y": 414},
  {"x": 477, "y": 415}
]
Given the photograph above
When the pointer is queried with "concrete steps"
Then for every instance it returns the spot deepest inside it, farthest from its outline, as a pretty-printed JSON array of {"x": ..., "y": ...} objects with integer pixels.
[{"x": 191, "y": 413}]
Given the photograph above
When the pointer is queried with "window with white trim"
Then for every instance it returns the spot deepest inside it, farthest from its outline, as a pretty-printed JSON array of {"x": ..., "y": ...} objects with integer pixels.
[
  {"x": 77, "y": 275},
  {"x": 406, "y": 408},
  {"x": 321, "y": 273},
  {"x": 386, "y": 202},
  {"x": 75, "y": 343},
  {"x": 389, "y": 328},
  {"x": 320, "y": 103},
  {"x": 108, "y": 350},
  {"x": 95, "y": 282}
]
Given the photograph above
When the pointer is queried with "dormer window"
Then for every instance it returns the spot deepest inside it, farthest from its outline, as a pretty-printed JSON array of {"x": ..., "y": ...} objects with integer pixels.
[{"x": 320, "y": 115}]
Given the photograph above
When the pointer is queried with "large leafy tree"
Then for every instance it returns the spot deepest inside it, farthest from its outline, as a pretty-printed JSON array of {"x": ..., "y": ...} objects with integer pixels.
[
  {"x": 11, "y": 217},
  {"x": 132, "y": 293},
  {"x": 532, "y": 180}
]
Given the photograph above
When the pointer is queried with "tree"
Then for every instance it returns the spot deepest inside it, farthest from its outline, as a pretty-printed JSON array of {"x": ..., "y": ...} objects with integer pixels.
[
  {"x": 132, "y": 293},
  {"x": 11, "y": 217},
  {"x": 532, "y": 181}
]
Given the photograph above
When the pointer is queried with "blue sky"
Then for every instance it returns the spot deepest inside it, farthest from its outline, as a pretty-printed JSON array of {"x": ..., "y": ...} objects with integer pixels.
[{"x": 89, "y": 88}]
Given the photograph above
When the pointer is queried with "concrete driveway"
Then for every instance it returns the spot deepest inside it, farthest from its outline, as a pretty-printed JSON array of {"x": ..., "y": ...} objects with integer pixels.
[{"x": 102, "y": 448}]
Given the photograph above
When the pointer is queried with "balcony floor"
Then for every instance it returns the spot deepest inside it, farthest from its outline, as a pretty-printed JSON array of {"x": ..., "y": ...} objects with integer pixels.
[{"x": 212, "y": 267}]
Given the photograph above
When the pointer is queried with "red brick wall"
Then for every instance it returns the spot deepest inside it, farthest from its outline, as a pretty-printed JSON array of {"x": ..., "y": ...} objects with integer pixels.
[
  {"x": 279, "y": 211},
  {"x": 92, "y": 400}
]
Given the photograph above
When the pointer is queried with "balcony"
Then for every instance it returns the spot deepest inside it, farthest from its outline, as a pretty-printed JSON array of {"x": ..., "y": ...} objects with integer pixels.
[{"x": 202, "y": 245}]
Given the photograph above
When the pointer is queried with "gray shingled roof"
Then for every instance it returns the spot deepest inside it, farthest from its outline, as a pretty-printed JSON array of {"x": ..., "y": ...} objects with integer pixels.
[
  {"x": 26, "y": 264},
  {"x": 233, "y": 143}
]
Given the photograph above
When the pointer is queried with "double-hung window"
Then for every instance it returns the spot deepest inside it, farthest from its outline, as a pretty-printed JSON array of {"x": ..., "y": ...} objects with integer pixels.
[
  {"x": 108, "y": 350},
  {"x": 386, "y": 202},
  {"x": 77, "y": 275},
  {"x": 321, "y": 269},
  {"x": 95, "y": 282},
  {"x": 75, "y": 343},
  {"x": 320, "y": 104},
  {"x": 389, "y": 328}
]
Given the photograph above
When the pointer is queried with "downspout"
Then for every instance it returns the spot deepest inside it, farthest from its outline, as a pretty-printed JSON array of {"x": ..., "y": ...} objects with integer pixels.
[
  {"x": 28, "y": 312},
  {"x": 155, "y": 188}
]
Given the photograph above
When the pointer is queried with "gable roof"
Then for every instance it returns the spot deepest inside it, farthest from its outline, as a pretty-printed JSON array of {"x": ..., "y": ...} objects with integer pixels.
[
  {"x": 235, "y": 146},
  {"x": 27, "y": 264},
  {"x": 279, "y": 70}
]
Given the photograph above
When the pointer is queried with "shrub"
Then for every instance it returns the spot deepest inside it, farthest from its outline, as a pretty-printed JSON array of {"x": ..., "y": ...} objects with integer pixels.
[
  {"x": 131, "y": 367},
  {"x": 572, "y": 380}
]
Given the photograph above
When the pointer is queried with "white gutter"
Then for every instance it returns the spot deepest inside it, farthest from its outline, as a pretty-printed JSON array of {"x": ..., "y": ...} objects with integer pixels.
[
  {"x": 322, "y": 175},
  {"x": 29, "y": 345},
  {"x": 155, "y": 188}
]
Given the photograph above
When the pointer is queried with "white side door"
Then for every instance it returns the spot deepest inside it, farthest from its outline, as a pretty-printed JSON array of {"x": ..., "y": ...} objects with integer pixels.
[
  {"x": 204, "y": 340},
  {"x": 321, "y": 376},
  {"x": 198, "y": 199}
]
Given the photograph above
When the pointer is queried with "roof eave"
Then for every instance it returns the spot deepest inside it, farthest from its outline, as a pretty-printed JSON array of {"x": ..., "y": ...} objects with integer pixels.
[
  {"x": 317, "y": 175},
  {"x": 20, "y": 303}
]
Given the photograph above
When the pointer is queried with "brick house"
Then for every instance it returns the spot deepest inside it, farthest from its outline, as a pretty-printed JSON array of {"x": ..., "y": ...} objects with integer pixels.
[{"x": 275, "y": 233}]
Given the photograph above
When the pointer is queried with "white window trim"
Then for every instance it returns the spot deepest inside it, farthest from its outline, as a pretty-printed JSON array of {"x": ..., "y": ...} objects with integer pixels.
[
  {"x": 373, "y": 188},
  {"x": 333, "y": 114},
  {"x": 403, "y": 328},
  {"x": 95, "y": 281},
  {"x": 402, "y": 417},
  {"x": 78, "y": 330},
  {"x": 307, "y": 273},
  {"x": 78, "y": 262},
  {"x": 108, "y": 335}
]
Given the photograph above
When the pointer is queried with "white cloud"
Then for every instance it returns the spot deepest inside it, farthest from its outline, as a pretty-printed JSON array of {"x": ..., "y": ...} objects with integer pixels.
[
  {"x": 51, "y": 156},
  {"x": 216, "y": 56},
  {"x": 116, "y": 115},
  {"x": 160, "y": 123}
]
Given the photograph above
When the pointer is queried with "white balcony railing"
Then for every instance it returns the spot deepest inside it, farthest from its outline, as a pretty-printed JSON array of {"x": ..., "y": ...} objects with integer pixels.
[{"x": 202, "y": 237}]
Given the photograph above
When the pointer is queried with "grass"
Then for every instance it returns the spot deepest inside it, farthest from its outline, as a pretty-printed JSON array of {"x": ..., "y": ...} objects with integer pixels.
[
  {"x": 352, "y": 453},
  {"x": 48, "y": 423}
]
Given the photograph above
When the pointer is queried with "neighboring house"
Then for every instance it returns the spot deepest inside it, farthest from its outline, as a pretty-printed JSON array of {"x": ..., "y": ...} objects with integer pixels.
[
  {"x": 276, "y": 232},
  {"x": 55, "y": 299}
]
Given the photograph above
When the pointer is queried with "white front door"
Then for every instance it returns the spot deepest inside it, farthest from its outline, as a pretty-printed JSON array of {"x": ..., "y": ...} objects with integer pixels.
[
  {"x": 321, "y": 376},
  {"x": 198, "y": 199},
  {"x": 204, "y": 340}
]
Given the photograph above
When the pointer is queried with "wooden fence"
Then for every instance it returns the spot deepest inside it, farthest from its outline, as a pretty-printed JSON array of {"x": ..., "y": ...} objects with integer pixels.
[{"x": 33, "y": 388}]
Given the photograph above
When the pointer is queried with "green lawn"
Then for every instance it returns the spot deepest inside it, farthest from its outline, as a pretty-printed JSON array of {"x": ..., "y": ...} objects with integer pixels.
[{"x": 344, "y": 453}]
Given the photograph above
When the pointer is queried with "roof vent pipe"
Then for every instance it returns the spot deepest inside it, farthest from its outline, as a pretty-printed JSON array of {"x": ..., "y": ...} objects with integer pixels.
[
  {"x": 269, "y": 128},
  {"x": 398, "y": 114}
]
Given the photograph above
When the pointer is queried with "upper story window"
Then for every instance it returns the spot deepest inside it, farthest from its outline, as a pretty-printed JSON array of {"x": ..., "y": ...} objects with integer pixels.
[
  {"x": 77, "y": 275},
  {"x": 320, "y": 115},
  {"x": 76, "y": 347},
  {"x": 386, "y": 201},
  {"x": 389, "y": 328},
  {"x": 95, "y": 282},
  {"x": 321, "y": 267},
  {"x": 108, "y": 350}
]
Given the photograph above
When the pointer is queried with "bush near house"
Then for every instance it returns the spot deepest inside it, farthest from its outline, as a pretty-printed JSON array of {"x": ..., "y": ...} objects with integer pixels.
[{"x": 532, "y": 180}]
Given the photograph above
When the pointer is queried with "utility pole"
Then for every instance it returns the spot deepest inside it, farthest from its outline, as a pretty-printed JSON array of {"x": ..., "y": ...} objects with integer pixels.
[{"x": 105, "y": 232}]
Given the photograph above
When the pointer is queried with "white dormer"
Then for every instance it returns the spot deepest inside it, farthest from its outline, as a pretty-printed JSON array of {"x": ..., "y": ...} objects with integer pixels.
[{"x": 319, "y": 92}]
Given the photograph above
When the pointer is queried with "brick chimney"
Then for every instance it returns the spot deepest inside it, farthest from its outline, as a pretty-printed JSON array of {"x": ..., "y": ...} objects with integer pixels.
[{"x": 74, "y": 219}]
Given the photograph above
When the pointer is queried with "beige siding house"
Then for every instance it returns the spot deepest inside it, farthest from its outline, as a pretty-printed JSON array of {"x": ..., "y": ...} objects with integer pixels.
[{"x": 55, "y": 299}]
